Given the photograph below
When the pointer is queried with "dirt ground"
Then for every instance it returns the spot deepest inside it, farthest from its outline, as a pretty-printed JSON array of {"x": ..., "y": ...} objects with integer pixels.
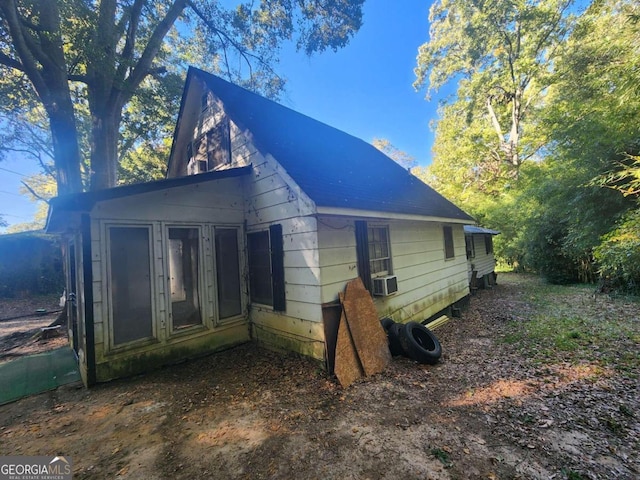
[
  {"x": 485, "y": 411},
  {"x": 21, "y": 319}
]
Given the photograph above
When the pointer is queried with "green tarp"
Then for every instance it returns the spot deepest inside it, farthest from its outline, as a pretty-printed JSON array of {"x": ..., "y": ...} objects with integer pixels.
[{"x": 37, "y": 373}]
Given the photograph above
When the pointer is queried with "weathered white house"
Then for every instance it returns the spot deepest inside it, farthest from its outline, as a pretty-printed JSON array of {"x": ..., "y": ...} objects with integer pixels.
[
  {"x": 480, "y": 258},
  {"x": 263, "y": 218}
]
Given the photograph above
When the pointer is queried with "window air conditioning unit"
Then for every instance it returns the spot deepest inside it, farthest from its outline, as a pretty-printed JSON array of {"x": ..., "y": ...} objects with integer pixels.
[{"x": 383, "y": 286}]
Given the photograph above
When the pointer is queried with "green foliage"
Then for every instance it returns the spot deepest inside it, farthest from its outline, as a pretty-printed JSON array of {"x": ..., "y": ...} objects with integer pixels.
[
  {"x": 394, "y": 153},
  {"x": 104, "y": 78},
  {"x": 499, "y": 52},
  {"x": 30, "y": 263},
  {"x": 579, "y": 127},
  {"x": 619, "y": 254}
]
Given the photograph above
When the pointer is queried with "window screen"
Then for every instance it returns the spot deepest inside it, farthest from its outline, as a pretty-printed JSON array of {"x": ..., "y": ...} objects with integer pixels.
[
  {"x": 379, "y": 251},
  {"x": 130, "y": 284},
  {"x": 184, "y": 280},
  {"x": 228, "y": 272}
]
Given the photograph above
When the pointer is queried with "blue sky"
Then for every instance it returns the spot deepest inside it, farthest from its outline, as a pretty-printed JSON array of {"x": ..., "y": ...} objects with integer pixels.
[{"x": 364, "y": 89}]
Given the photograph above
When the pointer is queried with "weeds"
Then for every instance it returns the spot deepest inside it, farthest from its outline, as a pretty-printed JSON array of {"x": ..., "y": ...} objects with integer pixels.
[
  {"x": 442, "y": 456},
  {"x": 569, "y": 323}
]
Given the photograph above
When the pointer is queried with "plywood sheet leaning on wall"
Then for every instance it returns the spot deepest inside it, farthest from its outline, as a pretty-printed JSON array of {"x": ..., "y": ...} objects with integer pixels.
[
  {"x": 369, "y": 337},
  {"x": 347, "y": 368}
]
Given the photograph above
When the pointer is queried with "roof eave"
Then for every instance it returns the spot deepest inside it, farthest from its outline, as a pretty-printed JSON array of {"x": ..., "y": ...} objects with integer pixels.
[{"x": 352, "y": 212}]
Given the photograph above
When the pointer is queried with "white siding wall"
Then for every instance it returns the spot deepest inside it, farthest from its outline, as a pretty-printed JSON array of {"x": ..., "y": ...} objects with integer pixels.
[
  {"x": 484, "y": 263},
  {"x": 211, "y": 203},
  {"x": 427, "y": 283},
  {"x": 273, "y": 198}
]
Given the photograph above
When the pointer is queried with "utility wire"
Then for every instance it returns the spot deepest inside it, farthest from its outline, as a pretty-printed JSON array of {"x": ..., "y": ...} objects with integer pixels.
[{"x": 13, "y": 171}]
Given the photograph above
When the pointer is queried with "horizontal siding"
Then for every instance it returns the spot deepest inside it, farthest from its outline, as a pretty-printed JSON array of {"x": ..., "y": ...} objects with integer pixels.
[
  {"x": 484, "y": 263},
  {"x": 215, "y": 201},
  {"x": 427, "y": 282}
]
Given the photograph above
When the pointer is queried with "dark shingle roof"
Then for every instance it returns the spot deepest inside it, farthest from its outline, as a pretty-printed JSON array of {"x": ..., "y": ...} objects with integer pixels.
[
  {"x": 473, "y": 229},
  {"x": 334, "y": 168}
]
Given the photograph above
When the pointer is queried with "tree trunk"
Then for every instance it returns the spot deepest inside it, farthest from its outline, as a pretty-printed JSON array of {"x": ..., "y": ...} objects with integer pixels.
[
  {"x": 66, "y": 153},
  {"x": 104, "y": 147}
]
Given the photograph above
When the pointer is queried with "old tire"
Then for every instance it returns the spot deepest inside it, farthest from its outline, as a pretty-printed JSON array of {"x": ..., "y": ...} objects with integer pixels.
[
  {"x": 386, "y": 323},
  {"x": 420, "y": 344},
  {"x": 393, "y": 337}
]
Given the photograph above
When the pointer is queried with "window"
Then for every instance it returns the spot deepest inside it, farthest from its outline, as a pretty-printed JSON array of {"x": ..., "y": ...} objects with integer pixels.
[
  {"x": 219, "y": 145},
  {"x": 470, "y": 246},
  {"x": 130, "y": 282},
  {"x": 448, "y": 242},
  {"x": 379, "y": 256},
  {"x": 266, "y": 267},
  {"x": 184, "y": 280},
  {"x": 228, "y": 272},
  {"x": 373, "y": 252},
  {"x": 488, "y": 244}
]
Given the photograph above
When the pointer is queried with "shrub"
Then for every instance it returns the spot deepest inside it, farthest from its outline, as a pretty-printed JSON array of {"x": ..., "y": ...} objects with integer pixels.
[{"x": 30, "y": 264}]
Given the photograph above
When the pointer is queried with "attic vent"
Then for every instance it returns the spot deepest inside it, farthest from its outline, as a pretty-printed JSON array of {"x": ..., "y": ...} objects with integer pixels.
[{"x": 384, "y": 286}]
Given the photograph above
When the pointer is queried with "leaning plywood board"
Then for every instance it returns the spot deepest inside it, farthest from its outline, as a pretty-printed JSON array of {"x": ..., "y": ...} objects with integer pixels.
[
  {"x": 369, "y": 337},
  {"x": 347, "y": 364}
]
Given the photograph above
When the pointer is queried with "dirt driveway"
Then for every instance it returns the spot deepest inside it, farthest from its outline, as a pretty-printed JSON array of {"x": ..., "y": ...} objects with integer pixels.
[{"x": 487, "y": 410}]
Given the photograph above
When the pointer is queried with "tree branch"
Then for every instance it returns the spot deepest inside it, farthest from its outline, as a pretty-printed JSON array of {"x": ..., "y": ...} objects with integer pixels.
[
  {"x": 142, "y": 68},
  {"x": 129, "y": 46},
  {"x": 33, "y": 192},
  {"x": 11, "y": 62},
  {"x": 243, "y": 52}
]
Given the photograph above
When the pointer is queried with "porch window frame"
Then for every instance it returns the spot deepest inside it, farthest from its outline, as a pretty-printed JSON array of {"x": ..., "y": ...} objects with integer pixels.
[
  {"x": 114, "y": 348},
  {"x": 206, "y": 322}
]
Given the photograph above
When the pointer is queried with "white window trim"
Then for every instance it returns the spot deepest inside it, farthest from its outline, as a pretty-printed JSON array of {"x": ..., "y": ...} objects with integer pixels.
[
  {"x": 106, "y": 279},
  {"x": 389, "y": 271},
  {"x": 205, "y": 320}
]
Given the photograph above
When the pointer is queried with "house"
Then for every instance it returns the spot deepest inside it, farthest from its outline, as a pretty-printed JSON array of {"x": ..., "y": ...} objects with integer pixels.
[
  {"x": 263, "y": 218},
  {"x": 480, "y": 259}
]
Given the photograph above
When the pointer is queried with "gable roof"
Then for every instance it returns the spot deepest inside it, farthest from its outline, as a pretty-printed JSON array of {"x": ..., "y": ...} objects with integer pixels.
[{"x": 333, "y": 168}]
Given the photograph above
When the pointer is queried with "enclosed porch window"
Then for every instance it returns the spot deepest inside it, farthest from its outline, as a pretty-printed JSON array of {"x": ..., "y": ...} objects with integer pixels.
[
  {"x": 184, "y": 276},
  {"x": 130, "y": 282}
]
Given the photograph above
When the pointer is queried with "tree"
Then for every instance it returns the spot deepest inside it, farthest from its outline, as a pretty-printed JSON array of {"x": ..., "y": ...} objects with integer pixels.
[
  {"x": 394, "y": 153},
  {"x": 501, "y": 53},
  {"x": 580, "y": 125},
  {"x": 108, "y": 49}
]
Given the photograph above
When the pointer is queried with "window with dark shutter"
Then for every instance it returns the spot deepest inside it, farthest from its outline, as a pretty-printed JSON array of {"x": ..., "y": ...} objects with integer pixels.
[
  {"x": 449, "y": 251},
  {"x": 277, "y": 268},
  {"x": 266, "y": 267},
  {"x": 471, "y": 246},
  {"x": 488, "y": 244},
  {"x": 362, "y": 254}
]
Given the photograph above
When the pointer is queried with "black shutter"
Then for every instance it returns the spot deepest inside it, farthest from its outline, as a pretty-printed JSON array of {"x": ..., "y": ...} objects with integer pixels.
[
  {"x": 362, "y": 254},
  {"x": 277, "y": 268}
]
